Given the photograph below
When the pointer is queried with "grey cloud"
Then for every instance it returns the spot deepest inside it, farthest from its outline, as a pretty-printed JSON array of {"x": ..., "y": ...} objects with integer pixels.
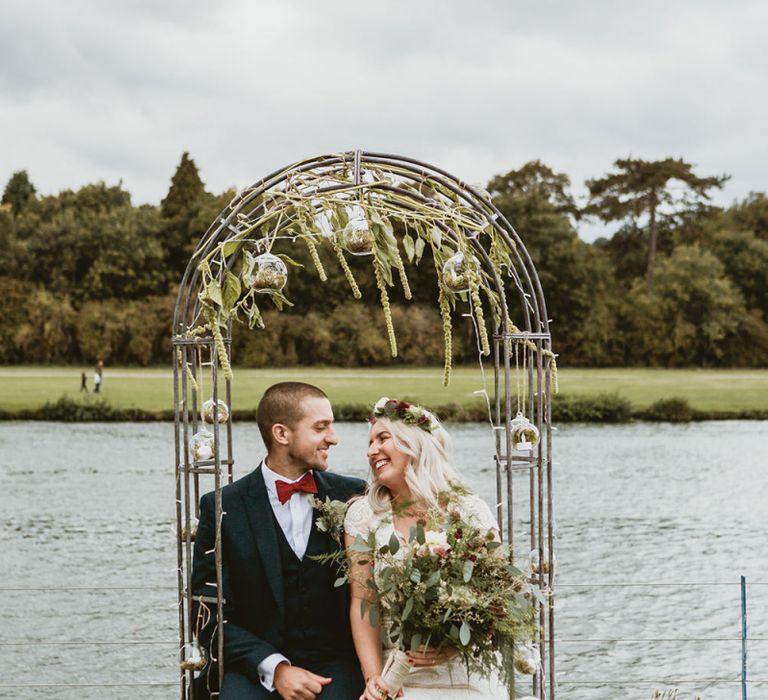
[{"x": 123, "y": 88}]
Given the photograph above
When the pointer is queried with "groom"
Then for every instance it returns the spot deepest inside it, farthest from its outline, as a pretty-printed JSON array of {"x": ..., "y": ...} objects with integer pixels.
[{"x": 286, "y": 627}]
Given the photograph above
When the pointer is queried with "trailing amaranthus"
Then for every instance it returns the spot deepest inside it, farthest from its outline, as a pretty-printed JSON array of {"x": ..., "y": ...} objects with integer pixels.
[
  {"x": 380, "y": 283},
  {"x": 477, "y": 306},
  {"x": 345, "y": 267},
  {"x": 221, "y": 351},
  {"x": 445, "y": 314},
  {"x": 221, "y": 348},
  {"x": 316, "y": 259}
]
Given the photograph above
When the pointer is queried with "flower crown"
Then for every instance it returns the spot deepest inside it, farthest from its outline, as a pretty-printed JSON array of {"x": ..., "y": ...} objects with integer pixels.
[{"x": 408, "y": 413}]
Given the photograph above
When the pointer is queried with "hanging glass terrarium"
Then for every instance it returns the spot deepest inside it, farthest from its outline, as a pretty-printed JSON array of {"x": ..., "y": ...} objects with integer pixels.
[
  {"x": 201, "y": 445},
  {"x": 192, "y": 531},
  {"x": 222, "y": 411},
  {"x": 268, "y": 274},
  {"x": 525, "y": 435},
  {"x": 527, "y": 658},
  {"x": 535, "y": 565},
  {"x": 456, "y": 274},
  {"x": 193, "y": 656},
  {"x": 357, "y": 237}
]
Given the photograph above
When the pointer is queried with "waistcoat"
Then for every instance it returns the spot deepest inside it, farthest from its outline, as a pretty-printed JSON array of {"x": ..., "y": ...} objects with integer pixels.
[{"x": 316, "y": 620}]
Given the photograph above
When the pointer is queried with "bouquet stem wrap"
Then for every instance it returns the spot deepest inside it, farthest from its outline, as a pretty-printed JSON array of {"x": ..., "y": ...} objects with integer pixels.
[{"x": 395, "y": 671}]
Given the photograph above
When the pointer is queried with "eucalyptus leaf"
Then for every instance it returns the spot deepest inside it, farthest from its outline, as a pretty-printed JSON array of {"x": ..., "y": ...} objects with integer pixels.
[
  {"x": 213, "y": 292},
  {"x": 407, "y": 609},
  {"x": 231, "y": 291},
  {"x": 465, "y": 633},
  {"x": 373, "y": 616},
  {"x": 468, "y": 568},
  {"x": 408, "y": 247},
  {"x": 421, "y": 535},
  {"x": 339, "y": 581},
  {"x": 394, "y": 543},
  {"x": 288, "y": 259},
  {"x": 419, "y": 249},
  {"x": 229, "y": 247},
  {"x": 415, "y": 641}
]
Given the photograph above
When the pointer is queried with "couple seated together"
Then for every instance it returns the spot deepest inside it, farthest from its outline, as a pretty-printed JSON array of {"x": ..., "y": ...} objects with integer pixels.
[{"x": 291, "y": 630}]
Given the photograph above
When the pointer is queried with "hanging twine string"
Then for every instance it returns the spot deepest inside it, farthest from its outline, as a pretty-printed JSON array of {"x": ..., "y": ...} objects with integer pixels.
[
  {"x": 517, "y": 374},
  {"x": 551, "y": 356}
]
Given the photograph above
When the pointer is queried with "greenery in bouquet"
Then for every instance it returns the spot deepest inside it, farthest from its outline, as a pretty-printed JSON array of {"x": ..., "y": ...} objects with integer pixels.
[{"x": 451, "y": 587}]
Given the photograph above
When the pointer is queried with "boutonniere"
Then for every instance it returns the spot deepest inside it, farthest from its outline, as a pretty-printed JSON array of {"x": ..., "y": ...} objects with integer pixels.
[{"x": 330, "y": 516}]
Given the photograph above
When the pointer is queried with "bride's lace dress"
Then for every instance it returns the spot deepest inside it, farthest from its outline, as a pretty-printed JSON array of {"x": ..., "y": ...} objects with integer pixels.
[{"x": 448, "y": 681}]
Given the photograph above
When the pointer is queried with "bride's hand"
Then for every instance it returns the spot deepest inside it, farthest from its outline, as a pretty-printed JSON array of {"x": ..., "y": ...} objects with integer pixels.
[
  {"x": 375, "y": 687},
  {"x": 427, "y": 656}
]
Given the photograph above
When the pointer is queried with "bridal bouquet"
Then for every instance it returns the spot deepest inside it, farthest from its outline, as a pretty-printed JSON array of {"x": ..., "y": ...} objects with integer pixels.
[{"x": 450, "y": 587}]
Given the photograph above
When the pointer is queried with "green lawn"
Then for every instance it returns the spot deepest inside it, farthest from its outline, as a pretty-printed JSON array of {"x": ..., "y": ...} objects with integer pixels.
[{"x": 151, "y": 389}]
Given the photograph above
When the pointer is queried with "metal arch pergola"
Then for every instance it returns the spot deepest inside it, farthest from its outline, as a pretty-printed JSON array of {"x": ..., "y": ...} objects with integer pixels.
[{"x": 525, "y": 506}]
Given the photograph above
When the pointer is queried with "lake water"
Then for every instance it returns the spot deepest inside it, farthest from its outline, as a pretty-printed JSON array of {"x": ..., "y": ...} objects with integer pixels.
[{"x": 92, "y": 505}]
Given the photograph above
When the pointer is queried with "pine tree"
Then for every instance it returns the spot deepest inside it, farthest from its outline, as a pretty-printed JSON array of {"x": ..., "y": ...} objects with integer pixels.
[
  {"x": 640, "y": 187},
  {"x": 179, "y": 208}
]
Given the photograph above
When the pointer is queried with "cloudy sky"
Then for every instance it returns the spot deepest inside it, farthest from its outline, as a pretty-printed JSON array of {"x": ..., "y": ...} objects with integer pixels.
[{"x": 94, "y": 90}]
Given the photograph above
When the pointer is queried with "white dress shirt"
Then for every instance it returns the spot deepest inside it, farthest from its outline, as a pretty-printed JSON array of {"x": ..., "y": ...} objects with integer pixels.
[{"x": 295, "y": 520}]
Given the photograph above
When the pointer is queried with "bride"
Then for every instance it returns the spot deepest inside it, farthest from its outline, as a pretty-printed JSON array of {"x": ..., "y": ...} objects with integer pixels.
[{"x": 408, "y": 455}]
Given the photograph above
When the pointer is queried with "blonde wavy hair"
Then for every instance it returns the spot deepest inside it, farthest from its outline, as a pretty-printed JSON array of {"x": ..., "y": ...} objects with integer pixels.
[{"x": 428, "y": 473}]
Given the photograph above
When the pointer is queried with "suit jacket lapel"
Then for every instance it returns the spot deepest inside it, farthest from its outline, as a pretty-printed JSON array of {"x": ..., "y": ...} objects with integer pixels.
[{"x": 264, "y": 533}]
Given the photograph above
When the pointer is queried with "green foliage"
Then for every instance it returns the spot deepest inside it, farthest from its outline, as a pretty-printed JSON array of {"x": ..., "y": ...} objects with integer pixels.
[
  {"x": 639, "y": 187},
  {"x": 67, "y": 410},
  {"x": 601, "y": 408},
  {"x": 19, "y": 192},
  {"x": 180, "y": 210},
  {"x": 93, "y": 244},
  {"x": 673, "y": 410},
  {"x": 576, "y": 277},
  {"x": 690, "y": 315},
  {"x": 85, "y": 274}
]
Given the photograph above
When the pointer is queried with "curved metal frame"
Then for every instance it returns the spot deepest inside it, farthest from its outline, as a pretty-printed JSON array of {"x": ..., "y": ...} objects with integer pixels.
[{"x": 195, "y": 358}]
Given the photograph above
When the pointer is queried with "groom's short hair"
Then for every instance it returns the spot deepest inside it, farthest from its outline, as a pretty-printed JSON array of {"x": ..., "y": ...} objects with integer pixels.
[{"x": 281, "y": 403}]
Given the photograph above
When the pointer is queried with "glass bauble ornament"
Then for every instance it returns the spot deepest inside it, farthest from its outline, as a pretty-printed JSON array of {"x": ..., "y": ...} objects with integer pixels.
[
  {"x": 527, "y": 659},
  {"x": 456, "y": 274},
  {"x": 193, "y": 656},
  {"x": 192, "y": 531},
  {"x": 533, "y": 561},
  {"x": 269, "y": 274},
  {"x": 357, "y": 237},
  {"x": 222, "y": 412},
  {"x": 525, "y": 435},
  {"x": 201, "y": 445}
]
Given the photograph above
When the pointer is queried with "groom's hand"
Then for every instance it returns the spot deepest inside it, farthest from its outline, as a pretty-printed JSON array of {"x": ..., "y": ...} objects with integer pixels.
[{"x": 294, "y": 683}]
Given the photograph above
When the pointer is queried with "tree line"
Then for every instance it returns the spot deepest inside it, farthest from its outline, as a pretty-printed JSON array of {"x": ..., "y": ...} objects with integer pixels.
[{"x": 86, "y": 274}]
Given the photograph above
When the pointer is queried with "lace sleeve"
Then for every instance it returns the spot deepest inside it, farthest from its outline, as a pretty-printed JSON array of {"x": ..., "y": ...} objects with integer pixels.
[
  {"x": 359, "y": 518},
  {"x": 477, "y": 509}
]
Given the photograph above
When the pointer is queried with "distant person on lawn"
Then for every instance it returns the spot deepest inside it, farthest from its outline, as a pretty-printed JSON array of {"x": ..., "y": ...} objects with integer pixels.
[
  {"x": 97, "y": 375},
  {"x": 83, "y": 383}
]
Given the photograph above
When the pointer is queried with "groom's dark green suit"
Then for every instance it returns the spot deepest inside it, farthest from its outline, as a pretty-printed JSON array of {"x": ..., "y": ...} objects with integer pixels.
[{"x": 275, "y": 603}]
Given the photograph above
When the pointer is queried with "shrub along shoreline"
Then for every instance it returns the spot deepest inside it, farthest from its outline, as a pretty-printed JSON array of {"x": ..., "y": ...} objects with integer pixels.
[{"x": 601, "y": 408}]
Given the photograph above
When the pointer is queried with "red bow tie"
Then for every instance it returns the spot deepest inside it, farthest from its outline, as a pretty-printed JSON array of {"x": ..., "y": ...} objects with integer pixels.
[{"x": 286, "y": 490}]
